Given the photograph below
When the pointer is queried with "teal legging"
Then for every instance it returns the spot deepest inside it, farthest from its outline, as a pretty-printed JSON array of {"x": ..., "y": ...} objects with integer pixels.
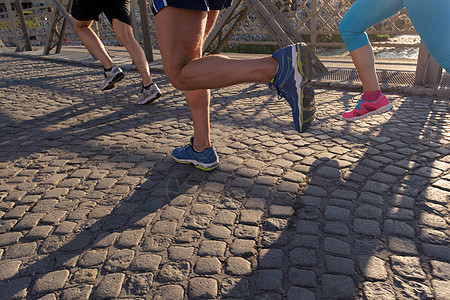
[{"x": 431, "y": 19}]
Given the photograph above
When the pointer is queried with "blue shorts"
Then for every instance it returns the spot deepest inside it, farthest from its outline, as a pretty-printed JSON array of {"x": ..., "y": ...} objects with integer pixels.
[{"x": 202, "y": 5}]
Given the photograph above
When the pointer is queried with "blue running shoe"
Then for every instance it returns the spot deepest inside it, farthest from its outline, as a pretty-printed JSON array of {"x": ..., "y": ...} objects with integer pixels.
[
  {"x": 293, "y": 83},
  {"x": 206, "y": 160}
]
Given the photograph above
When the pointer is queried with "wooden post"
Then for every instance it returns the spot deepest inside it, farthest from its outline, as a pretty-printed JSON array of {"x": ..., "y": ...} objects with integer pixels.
[
  {"x": 239, "y": 20},
  {"x": 66, "y": 19},
  {"x": 314, "y": 13},
  {"x": 53, "y": 31},
  {"x": 64, "y": 27},
  {"x": 13, "y": 26},
  {"x": 23, "y": 25},
  {"x": 134, "y": 21},
  {"x": 269, "y": 22},
  {"x": 293, "y": 34},
  {"x": 225, "y": 19},
  {"x": 428, "y": 71},
  {"x": 146, "y": 29},
  {"x": 64, "y": 12}
]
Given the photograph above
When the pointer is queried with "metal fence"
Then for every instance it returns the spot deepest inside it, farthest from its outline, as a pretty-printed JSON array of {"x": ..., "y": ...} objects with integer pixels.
[{"x": 316, "y": 20}]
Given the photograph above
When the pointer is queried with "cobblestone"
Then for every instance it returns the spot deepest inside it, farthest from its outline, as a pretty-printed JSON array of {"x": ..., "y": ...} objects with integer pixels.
[
  {"x": 338, "y": 265},
  {"x": 21, "y": 250},
  {"x": 93, "y": 258},
  {"x": 437, "y": 251},
  {"x": 119, "y": 260},
  {"x": 367, "y": 227},
  {"x": 336, "y": 213},
  {"x": 303, "y": 257},
  {"x": 440, "y": 288},
  {"x": 302, "y": 277},
  {"x": 92, "y": 205},
  {"x": 308, "y": 241},
  {"x": 146, "y": 262},
  {"x": 398, "y": 228},
  {"x": 372, "y": 267},
  {"x": 238, "y": 266},
  {"x": 411, "y": 289},
  {"x": 300, "y": 293},
  {"x": 203, "y": 288},
  {"x": 78, "y": 292},
  {"x": 378, "y": 290},
  {"x": 130, "y": 238},
  {"x": 407, "y": 267},
  {"x": 51, "y": 282},
  {"x": 85, "y": 276},
  {"x": 208, "y": 265},
  {"x": 270, "y": 280},
  {"x": 39, "y": 232},
  {"x": 9, "y": 238},
  {"x": 174, "y": 271},
  {"x": 336, "y": 246},
  {"x": 251, "y": 217},
  {"x": 9, "y": 269},
  {"x": 241, "y": 247},
  {"x": 235, "y": 288},
  {"x": 401, "y": 245},
  {"x": 270, "y": 258},
  {"x": 110, "y": 286},
  {"x": 180, "y": 253},
  {"x": 440, "y": 269},
  {"x": 15, "y": 289},
  {"x": 139, "y": 284},
  {"x": 338, "y": 286}
]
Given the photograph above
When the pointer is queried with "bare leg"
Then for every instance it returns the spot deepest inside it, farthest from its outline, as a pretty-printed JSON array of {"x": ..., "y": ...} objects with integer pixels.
[
  {"x": 181, "y": 41},
  {"x": 125, "y": 33},
  {"x": 199, "y": 100},
  {"x": 364, "y": 61},
  {"x": 372, "y": 101},
  {"x": 92, "y": 42}
]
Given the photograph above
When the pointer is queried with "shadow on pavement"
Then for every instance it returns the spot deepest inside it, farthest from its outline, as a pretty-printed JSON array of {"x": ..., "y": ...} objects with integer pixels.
[{"x": 333, "y": 214}]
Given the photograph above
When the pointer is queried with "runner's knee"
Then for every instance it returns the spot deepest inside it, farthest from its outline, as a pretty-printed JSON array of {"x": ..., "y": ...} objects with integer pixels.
[
  {"x": 179, "y": 81},
  {"x": 354, "y": 37},
  {"x": 79, "y": 25}
]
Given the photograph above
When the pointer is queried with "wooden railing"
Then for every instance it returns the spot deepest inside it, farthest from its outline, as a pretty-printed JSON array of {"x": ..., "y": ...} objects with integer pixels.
[{"x": 316, "y": 20}]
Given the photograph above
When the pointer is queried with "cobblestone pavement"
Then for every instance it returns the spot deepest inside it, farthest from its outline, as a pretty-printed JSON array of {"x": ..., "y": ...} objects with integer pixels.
[{"x": 92, "y": 205}]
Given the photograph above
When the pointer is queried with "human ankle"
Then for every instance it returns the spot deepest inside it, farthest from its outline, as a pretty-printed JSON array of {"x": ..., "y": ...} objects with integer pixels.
[
  {"x": 147, "y": 86},
  {"x": 371, "y": 95},
  {"x": 200, "y": 147}
]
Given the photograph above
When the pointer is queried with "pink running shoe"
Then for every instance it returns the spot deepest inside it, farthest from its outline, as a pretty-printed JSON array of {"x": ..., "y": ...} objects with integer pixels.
[{"x": 367, "y": 108}]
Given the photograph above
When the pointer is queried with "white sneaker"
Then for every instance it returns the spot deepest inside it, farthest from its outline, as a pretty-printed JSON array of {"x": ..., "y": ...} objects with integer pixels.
[
  {"x": 112, "y": 77},
  {"x": 148, "y": 95}
]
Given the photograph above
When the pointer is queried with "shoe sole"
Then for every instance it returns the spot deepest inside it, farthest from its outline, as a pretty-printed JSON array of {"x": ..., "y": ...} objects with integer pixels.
[
  {"x": 116, "y": 79},
  {"x": 196, "y": 164},
  {"x": 150, "y": 100},
  {"x": 381, "y": 110},
  {"x": 306, "y": 98}
]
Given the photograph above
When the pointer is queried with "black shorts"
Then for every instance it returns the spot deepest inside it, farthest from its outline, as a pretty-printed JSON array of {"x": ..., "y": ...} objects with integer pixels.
[
  {"x": 87, "y": 10},
  {"x": 203, "y": 5}
]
